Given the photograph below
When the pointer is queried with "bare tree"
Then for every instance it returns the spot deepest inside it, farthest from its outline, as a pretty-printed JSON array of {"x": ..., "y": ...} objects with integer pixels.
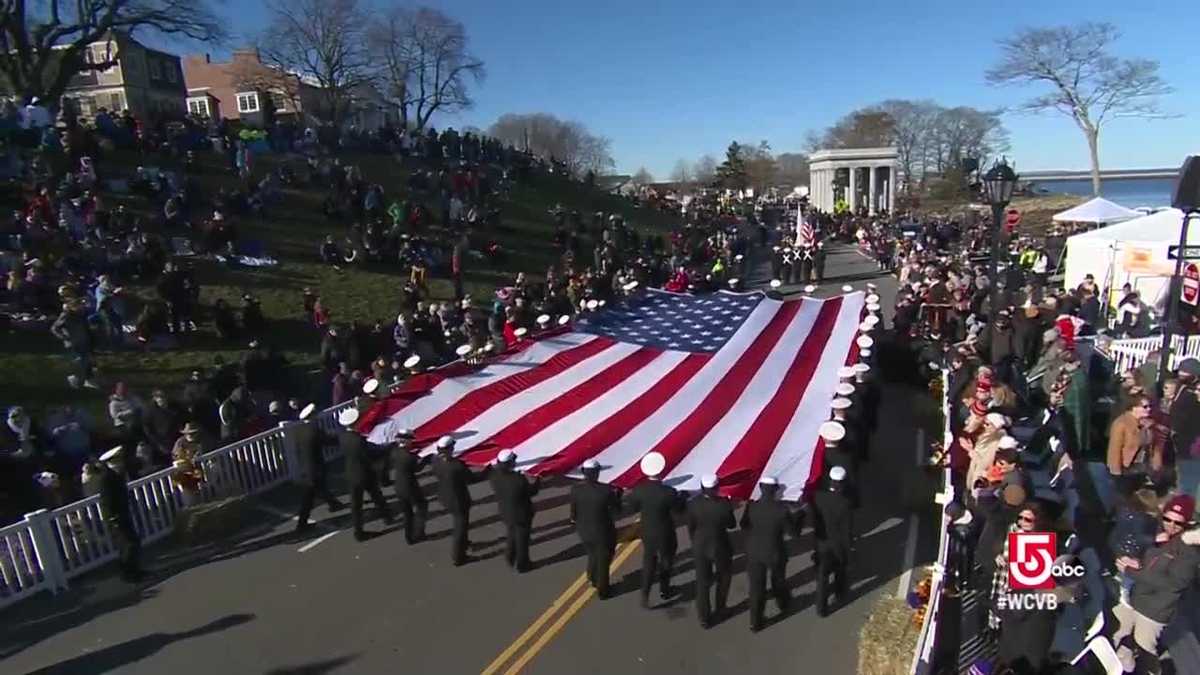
[
  {"x": 423, "y": 59},
  {"x": 323, "y": 42},
  {"x": 546, "y": 136},
  {"x": 642, "y": 177},
  {"x": 912, "y": 124},
  {"x": 1086, "y": 82},
  {"x": 44, "y": 44},
  {"x": 792, "y": 168},
  {"x": 682, "y": 173},
  {"x": 761, "y": 169},
  {"x": 705, "y": 170}
]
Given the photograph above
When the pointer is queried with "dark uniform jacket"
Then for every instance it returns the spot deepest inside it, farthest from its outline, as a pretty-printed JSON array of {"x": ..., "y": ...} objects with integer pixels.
[
  {"x": 358, "y": 462},
  {"x": 114, "y": 497},
  {"x": 453, "y": 480},
  {"x": 310, "y": 442},
  {"x": 594, "y": 508},
  {"x": 656, "y": 502},
  {"x": 514, "y": 494},
  {"x": 709, "y": 520},
  {"x": 406, "y": 464},
  {"x": 765, "y": 523},
  {"x": 832, "y": 522}
]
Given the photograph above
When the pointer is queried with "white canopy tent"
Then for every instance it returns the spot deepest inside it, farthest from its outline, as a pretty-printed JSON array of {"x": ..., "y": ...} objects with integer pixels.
[
  {"x": 1133, "y": 252},
  {"x": 1098, "y": 211}
]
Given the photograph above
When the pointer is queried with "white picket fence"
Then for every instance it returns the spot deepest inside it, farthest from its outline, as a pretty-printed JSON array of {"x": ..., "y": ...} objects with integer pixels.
[
  {"x": 1133, "y": 352},
  {"x": 48, "y": 548}
]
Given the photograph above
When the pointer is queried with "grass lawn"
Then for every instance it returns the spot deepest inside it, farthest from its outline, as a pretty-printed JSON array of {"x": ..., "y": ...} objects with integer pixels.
[{"x": 34, "y": 368}]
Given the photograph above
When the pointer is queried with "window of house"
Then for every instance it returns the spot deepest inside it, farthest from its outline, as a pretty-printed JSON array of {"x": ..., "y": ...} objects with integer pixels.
[
  {"x": 117, "y": 100},
  {"x": 199, "y": 106},
  {"x": 155, "y": 69},
  {"x": 169, "y": 70},
  {"x": 247, "y": 102}
]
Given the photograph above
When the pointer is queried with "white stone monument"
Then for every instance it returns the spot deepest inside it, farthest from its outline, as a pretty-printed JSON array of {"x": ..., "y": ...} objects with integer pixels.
[{"x": 875, "y": 169}]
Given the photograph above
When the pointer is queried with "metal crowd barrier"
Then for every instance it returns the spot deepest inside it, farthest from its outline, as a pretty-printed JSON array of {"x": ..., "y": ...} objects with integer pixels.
[
  {"x": 927, "y": 639},
  {"x": 50, "y": 547},
  {"x": 1133, "y": 352}
]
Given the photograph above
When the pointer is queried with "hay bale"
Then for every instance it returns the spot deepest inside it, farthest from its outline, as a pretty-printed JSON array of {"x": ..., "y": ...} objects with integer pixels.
[
  {"x": 888, "y": 638},
  {"x": 211, "y": 521}
]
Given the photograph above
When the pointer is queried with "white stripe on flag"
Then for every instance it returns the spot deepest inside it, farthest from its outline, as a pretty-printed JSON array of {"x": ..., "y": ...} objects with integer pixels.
[
  {"x": 724, "y": 436},
  {"x": 450, "y": 391},
  {"x": 557, "y": 436},
  {"x": 514, "y": 407},
  {"x": 620, "y": 456},
  {"x": 791, "y": 460}
]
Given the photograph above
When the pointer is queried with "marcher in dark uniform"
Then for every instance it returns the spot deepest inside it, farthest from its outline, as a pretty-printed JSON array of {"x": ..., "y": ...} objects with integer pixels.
[
  {"x": 657, "y": 503},
  {"x": 310, "y": 443},
  {"x": 765, "y": 521},
  {"x": 594, "y": 508},
  {"x": 709, "y": 520},
  {"x": 514, "y": 494},
  {"x": 833, "y": 522},
  {"x": 114, "y": 504},
  {"x": 373, "y": 391},
  {"x": 819, "y": 263},
  {"x": 454, "y": 479},
  {"x": 360, "y": 472},
  {"x": 406, "y": 464}
]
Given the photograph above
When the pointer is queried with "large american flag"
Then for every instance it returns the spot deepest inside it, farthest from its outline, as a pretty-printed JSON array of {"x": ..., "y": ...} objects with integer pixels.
[{"x": 733, "y": 384}]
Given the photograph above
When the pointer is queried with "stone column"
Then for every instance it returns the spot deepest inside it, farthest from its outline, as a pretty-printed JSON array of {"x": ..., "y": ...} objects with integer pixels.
[
  {"x": 852, "y": 196},
  {"x": 873, "y": 196}
]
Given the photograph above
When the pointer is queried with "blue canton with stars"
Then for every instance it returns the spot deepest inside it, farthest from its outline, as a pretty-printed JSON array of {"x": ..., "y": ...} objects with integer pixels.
[{"x": 690, "y": 323}]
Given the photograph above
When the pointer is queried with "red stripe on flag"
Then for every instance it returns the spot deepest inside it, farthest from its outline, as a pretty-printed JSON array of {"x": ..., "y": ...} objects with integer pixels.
[
  {"x": 480, "y": 400},
  {"x": 568, "y": 402},
  {"x": 420, "y": 385},
  {"x": 681, "y": 439},
  {"x": 741, "y": 469},
  {"x": 608, "y": 431}
]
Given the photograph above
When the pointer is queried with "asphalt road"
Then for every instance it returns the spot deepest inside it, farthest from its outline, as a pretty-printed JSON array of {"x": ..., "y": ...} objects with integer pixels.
[{"x": 270, "y": 602}]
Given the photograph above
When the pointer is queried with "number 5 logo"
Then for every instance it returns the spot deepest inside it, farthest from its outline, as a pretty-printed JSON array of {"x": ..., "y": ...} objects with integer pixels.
[{"x": 1030, "y": 559}]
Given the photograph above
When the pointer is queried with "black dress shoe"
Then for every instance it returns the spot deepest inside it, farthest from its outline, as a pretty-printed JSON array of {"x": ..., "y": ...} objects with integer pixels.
[
  {"x": 756, "y": 627},
  {"x": 334, "y": 507},
  {"x": 364, "y": 536},
  {"x": 666, "y": 593},
  {"x": 705, "y": 623}
]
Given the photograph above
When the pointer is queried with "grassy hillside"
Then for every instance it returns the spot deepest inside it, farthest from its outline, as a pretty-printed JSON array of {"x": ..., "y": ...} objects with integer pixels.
[{"x": 34, "y": 368}]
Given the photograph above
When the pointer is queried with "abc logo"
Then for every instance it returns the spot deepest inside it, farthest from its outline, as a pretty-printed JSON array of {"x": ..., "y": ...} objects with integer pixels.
[{"x": 1031, "y": 561}]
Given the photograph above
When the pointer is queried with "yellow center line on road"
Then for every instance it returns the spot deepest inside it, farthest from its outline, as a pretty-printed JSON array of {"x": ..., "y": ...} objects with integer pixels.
[
  {"x": 557, "y": 626},
  {"x": 629, "y": 534}
]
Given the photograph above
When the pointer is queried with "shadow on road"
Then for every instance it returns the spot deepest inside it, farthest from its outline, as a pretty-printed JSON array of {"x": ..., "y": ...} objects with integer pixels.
[{"x": 131, "y": 651}]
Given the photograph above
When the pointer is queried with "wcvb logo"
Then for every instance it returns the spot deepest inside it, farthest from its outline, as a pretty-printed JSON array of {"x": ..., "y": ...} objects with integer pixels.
[{"x": 1031, "y": 560}]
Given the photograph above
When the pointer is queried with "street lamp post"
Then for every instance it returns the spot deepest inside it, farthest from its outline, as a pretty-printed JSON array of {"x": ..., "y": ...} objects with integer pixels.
[{"x": 998, "y": 185}]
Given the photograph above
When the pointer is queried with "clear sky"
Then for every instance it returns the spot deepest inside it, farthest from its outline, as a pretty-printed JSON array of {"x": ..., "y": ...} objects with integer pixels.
[{"x": 671, "y": 79}]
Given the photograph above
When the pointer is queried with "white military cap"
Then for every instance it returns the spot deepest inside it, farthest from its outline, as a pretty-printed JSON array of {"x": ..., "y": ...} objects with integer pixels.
[
  {"x": 412, "y": 361},
  {"x": 866, "y": 327},
  {"x": 832, "y": 432},
  {"x": 564, "y": 319},
  {"x": 864, "y": 353},
  {"x": 871, "y": 319},
  {"x": 873, "y": 307},
  {"x": 865, "y": 341},
  {"x": 860, "y": 368},
  {"x": 591, "y": 464},
  {"x": 308, "y": 410},
  {"x": 653, "y": 464},
  {"x": 446, "y": 442},
  {"x": 1008, "y": 442},
  {"x": 348, "y": 417},
  {"x": 630, "y": 287},
  {"x": 708, "y": 481},
  {"x": 506, "y": 456},
  {"x": 872, "y": 299},
  {"x": 837, "y": 473},
  {"x": 768, "y": 480},
  {"x": 520, "y": 332},
  {"x": 810, "y": 289},
  {"x": 112, "y": 455},
  {"x": 404, "y": 433},
  {"x": 45, "y": 478},
  {"x": 845, "y": 389},
  {"x": 734, "y": 281},
  {"x": 847, "y": 288},
  {"x": 592, "y": 304},
  {"x": 371, "y": 386},
  {"x": 775, "y": 283},
  {"x": 840, "y": 403},
  {"x": 463, "y": 350},
  {"x": 846, "y": 372},
  {"x": 871, "y": 286}
]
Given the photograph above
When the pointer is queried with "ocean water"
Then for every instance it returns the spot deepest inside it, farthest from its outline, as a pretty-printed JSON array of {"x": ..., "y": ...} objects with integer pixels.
[{"x": 1128, "y": 192}]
